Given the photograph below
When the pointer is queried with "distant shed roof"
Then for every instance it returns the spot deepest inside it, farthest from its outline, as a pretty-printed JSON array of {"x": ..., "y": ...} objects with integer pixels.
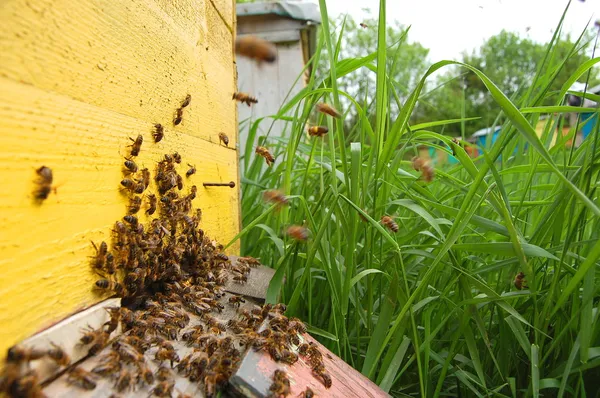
[{"x": 299, "y": 10}]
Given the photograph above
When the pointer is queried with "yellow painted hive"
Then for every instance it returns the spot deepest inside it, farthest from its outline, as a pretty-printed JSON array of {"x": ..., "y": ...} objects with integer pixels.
[{"x": 77, "y": 79}]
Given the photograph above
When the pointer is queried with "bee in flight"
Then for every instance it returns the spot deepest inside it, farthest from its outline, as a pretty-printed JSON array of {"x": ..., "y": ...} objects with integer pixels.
[
  {"x": 244, "y": 98},
  {"x": 256, "y": 48}
]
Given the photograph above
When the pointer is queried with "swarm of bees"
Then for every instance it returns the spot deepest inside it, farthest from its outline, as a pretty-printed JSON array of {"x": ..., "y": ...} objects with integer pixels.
[
  {"x": 244, "y": 98},
  {"x": 43, "y": 183},
  {"x": 256, "y": 48},
  {"x": 427, "y": 172}
]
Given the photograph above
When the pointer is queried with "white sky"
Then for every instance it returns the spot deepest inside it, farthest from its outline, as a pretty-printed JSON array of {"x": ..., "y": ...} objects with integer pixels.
[{"x": 447, "y": 27}]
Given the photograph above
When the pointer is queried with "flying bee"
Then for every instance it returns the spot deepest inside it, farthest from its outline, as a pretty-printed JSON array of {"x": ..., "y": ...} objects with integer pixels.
[
  {"x": 18, "y": 354},
  {"x": 224, "y": 139},
  {"x": 106, "y": 284},
  {"x": 256, "y": 48},
  {"x": 390, "y": 223},
  {"x": 134, "y": 204},
  {"x": 328, "y": 109},
  {"x": 191, "y": 170},
  {"x": 100, "y": 258},
  {"x": 244, "y": 98},
  {"x": 275, "y": 197},
  {"x": 417, "y": 163},
  {"x": 264, "y": 152},
  {"x": 428, "y": 173},
  {"x": 186, "y": 101},
  {"x": 520, "y": 281},
  {"x": 137, "y": 145},
  {"x": 363, "y": 25},
  {"x": 317, "y": 131},
  {"x": 58, "y": 355},
  {"x": 158, "y": 133},
  {"x": 178, "y": 116},
  {"x": 44, "y": 183},
  {"x": 151, "y": 204},
  {"x": 236, "y": 301},
  {"x": 298, "y": 232},
  {"x": 81, "y": 378}
]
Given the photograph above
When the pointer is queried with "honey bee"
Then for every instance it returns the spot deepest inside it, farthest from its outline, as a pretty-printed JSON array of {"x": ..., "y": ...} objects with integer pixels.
[
  {"x": 298, "y": 232},
  {"x": 308, "y": 393},
  {"x": 244, "y": 98},
  {"x": 317, "y": 131},
  {"x": 281, "y": 384},
  {"x": 250, "y": 261},
  {"x": 176, "y": 157},
  {"x": 178, "y": 116},
  {"x": 105, "y": 284},
  {"x": 224, "y": 139},
  {"x": 151, "y": 204},
  {"x": 417, "y": 163},
  {"x": 275, "y": 197},
  {"x": 390, "y": 223},
  {"x": 108, "y": 366},
  {"x": 18, "y": 354},
  {"x": 131, "y": 220},
  {"x": 137, "y": 145},
  {"x": 130, "y": 166},
  {"x": 520, "y": 281},
  {"x": 81, "y": 378},
  {"x": 363, "y": 25},
  {"x": 427, "y": 174},
  {"x": 100, "y": 258},
  {"x": 264, "y": 152},
  {"x": 145, "y": 177},
  {"x": 134, "y": 204},
  {"x": 240, "y": 278},
  {"x": 191, "y": 170},
  {"x": 328, "y": 109},
  {"x": 115, "y": 316},
  {"x": 158, "y": 133},
  {"x": 236, "y": 301},
  {"x": 163, "y": 389},
  {"x": 132, "y": 185},
  {"x": 256, "y": 48},
  {"x": 58, "y": 355},
  {"x": 124, "y": 380},
  {"x": 186, "y": 101},
  {"x": 44, "y": 183},
  {"x": 163, "y": 374}
]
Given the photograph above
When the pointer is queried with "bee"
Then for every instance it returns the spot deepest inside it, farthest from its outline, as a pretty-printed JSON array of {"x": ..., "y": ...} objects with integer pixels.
[
  {"x": 427, "y": 174},
  {"x": 137, "y": 145},
  {"x": 298, "y": 232},
  {"x": 179, "y": 182},
  {"x": 109, "y": 365},
  {"x": 289, "y": 357},
  {"x": 158, "y": 133},
  {"x": 186, "y": 101},
  {"x": 166, "y": 354},
  {"x": 81, "y": 378},
  {"x": 191, "y": 170},
  {"x": 146, "y": 375},
  {"x": 275, "y": 197},
  {"x": 256, "y": 48},
  {"x": 390, "y": 223},
  {"x": 124, "y": 380},
  {"x": 308, "y": 393},
  {"x": 328, "y": 109},
  {"x": 151, "y": 204},
  {"x": 240, "y": 278},
  {"x": 131, "y": 185},
  {"x": 100, "y": 257},
  {"x": 264, "y": 152},
  {"x": 236, "y": 301},
  {"x": 105, "y": 284},
  {"x": 520, "y": 281},
  {"x": 115, "y": 316},
  {"x": 134, "y": 204},
  {"x": 244, "y": 98},
  {"x": 18, "y": 354},
  {"x": 224, "y": 139},
  {"x": 176, "y": 157},
  {"x": 250, "y": 261},
  {"x": 280, "y": 385},
  {"x": 317, "y": 131},
  {"x": 326, "y": 378},
  {"x": 178, "y": 116},
  {"x": 163, "y": 389},
  {"x": 163, "y": 374},
  {"x": 58, "y": 355},
  {"x": 417, "y": 163},
  {"x": 145, "y": 177},
  {"x": 44, "y": 183},
  {"x": 131, "y": 220},
  {"x": 363, "y": 25},
  {"x": 130, "y": 166}
]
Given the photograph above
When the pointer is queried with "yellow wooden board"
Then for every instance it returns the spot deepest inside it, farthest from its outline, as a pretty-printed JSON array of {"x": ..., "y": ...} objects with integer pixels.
[{"x": 76, "y": 80}]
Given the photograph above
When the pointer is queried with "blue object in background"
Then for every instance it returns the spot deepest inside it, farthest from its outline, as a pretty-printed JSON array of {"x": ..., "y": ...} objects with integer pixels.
[{"x": 588, "y": 127}]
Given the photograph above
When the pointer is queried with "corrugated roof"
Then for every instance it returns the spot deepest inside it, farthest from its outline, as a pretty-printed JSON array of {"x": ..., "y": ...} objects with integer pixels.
[{"x": 299, "y": 10}]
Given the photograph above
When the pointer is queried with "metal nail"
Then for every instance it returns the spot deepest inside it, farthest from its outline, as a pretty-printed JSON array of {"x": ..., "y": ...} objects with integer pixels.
[{"x": 219, "y": 184}]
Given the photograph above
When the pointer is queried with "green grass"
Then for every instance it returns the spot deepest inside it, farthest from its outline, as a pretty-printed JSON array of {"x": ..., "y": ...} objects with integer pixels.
[{"x": 432, "y": 310}]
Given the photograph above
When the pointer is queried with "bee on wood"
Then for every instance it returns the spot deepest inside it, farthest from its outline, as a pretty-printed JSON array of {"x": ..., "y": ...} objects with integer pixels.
[
  {"x": 106, "y": 284},
  {"x": 186, "y": 101},
  {"x": 176, "y": 157},
  {"x": 130, "y": 166},
  {"x": 328, "y": 110},
  {"x": 158, "y": 133},
  {"x": 137, "y": 145},
  {"x": 146, "y": 375},
  {"x": 244, "y": 98},
  {"x": 390, "y": 223},
  {"x": 124, "y": 380},
  {"x": 109, "y": 366},
  {"x": 58, "y": 355},
  {"x": 224, "y": 139},
  {"x": 100, "y": 258},
  {"x": 131, "y": 220},
  {"x": 281, "y": 384},
  {"x": 264, "y": 152},
  {"x": 308, "y": 393},
  {"x": 276, "y": 197},
  {"x": 179, "y": 180},
  {"x": 163, "y": 373},
  {"x": 81, "y": 378},
  {"x": 145, "y": 177},
  {"x": 251, "y": 261},
  {"x": 178, "y": 116},
  {"x": 256, "y": 48},
  {"x": 134, "y": 204},
  {"x": 163, "y": 389},
  {"x": 240, "y": 278},
  {"x": 151, "y": 204},
  {"x": 44, "y": 183},
  {"x": 236, "y": 301},
  {"x": 191, "y": 170},
  {"x": 520, "y": 281},
  {"x": 317, "y": 131},
  {"x": 18, "y": 354},
  {"x": 298, "y": 232},
  {"x": 363, "y": 25},
  {"x": 131, "y": 185}
]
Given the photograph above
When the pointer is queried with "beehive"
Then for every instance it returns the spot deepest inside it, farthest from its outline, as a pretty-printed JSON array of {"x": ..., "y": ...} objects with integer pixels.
[{"x": 76, "y": 80}]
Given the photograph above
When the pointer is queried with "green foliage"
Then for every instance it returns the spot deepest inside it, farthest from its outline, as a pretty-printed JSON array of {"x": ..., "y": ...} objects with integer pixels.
[{"x": 432, "y": 310}]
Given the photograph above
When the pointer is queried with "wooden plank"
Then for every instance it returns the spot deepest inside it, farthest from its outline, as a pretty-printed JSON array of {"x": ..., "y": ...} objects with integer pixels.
[
  {"x": 136, "y": 57},
  {"x": 46, "y": 273},
  {"x": 258, "y": 282}
]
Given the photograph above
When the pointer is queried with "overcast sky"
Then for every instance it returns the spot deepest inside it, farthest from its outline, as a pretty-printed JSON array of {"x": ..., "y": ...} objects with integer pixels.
[{"x": 447, "y": 27}]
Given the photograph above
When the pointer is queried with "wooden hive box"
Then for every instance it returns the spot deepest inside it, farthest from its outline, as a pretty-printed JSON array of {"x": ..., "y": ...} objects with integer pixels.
[{"x": 76, "y": 80}]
